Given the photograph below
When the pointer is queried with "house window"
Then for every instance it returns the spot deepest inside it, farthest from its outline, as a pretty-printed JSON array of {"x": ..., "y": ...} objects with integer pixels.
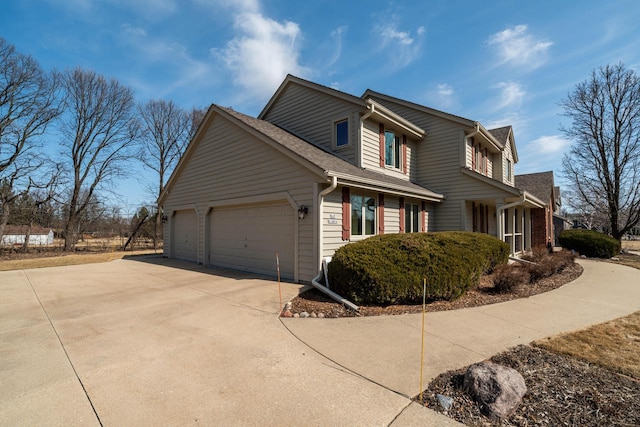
[
  {"x": 363, "y": 215},
  {"x": 508, "y": 170},
  {"x": 411, "y": 218},
  {"x": 392, "y": 147},
  {"x": 341, "y": 133}
]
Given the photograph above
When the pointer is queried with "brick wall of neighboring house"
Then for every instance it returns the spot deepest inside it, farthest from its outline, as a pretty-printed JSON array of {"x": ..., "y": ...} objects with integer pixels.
[{"x": 538, "y": 227}]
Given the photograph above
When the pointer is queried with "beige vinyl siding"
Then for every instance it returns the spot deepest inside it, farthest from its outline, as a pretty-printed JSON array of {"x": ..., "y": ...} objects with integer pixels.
[
  {"x": 371, "y": 152},
  {"x": 332, "y": 222},
  {"x": 440, "y": 157},
  {"x": 371, "y": 145},
  {"x": 228, "y": 163},
  {"x": 508, "y": 154},
  {"x": 311, "y": 114},
  {"x": 391, "y": 214},
  {"x": 469, "y": 153}
]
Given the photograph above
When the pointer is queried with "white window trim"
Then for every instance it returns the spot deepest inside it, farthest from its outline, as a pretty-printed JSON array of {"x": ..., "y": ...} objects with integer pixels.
[
  {"x": 399, "y": 153},
  {"x": 355, "y": 237},
  {"x": 419, "y": 214}
]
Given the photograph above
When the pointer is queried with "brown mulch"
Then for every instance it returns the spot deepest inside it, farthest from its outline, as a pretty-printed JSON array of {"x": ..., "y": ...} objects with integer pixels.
[
  {"x": 561, "y": 391},
  {"x": 314, "y": 301}
]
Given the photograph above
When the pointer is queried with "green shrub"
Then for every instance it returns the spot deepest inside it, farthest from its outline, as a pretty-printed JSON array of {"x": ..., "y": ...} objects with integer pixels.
[
  {"x": 507, "y": 277},
  {"x": 546, "y": 264},
  {"x": 590, "y": 243},
  {"x": 389, "y": 269}
]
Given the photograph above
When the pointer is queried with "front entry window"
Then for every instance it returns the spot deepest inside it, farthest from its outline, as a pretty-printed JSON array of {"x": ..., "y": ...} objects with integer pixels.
[
  {"x": 363, "y": 215},
  {"x": 411, "y": 218}
]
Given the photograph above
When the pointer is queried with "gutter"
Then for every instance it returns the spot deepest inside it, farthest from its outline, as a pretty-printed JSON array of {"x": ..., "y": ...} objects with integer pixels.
[{"x": 316, "y": 280}]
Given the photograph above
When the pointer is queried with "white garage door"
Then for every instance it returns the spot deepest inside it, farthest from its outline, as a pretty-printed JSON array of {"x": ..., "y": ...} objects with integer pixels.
[
  {"x": 184, "y": 236},
  {"x": 247, "y": 238}
]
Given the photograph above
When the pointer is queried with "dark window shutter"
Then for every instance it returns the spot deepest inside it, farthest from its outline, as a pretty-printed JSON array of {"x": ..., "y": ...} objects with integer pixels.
[
  {"x": 473, "y": 155},
  {"x": 402, "y": 214},
  {"x": 381, "y": 138},
  {"x": 423, "y": 216},
  {"x": 346, "y": 213},
  {"x": 486, "y": 216},
  {"x": 473, "y": 216},
  {"x": 486, "y": 162},
  {"x": 381, "y": 213},
  {"x": 404, "y": 153}
]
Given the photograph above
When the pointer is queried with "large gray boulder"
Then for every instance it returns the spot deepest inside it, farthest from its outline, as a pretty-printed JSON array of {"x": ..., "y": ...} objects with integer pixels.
[{"x": 498, "y": 389}]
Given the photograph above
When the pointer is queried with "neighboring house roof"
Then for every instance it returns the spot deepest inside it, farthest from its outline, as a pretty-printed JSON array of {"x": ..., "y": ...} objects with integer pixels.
[
  {"x": 539, "y": 184},
  {"x": 21, "y": 230},
  {"x": 311, "y": 156}
]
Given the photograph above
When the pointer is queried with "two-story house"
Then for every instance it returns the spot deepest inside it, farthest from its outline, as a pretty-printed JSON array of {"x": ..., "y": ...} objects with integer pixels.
[{"x": 320, "y": 168}]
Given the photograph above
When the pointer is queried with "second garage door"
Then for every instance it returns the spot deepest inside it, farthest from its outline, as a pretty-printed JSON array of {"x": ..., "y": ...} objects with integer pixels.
[{"x": 248, "y": 237}]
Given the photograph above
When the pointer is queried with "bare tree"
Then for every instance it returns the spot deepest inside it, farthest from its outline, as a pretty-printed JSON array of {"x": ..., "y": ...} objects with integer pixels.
[
  {"x": 99, "y": 132},
  {"x": 605, "y": 157},
  {"x": 166, "y": 130},
  {"x": 197, "y": 116},
  {"x": 28, "y": 104}
]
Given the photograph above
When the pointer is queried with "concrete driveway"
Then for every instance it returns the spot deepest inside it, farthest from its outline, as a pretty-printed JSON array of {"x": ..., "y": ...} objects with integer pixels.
[
  {"x": 168, "y": 343},
  {"x": 386, "y": 349}
]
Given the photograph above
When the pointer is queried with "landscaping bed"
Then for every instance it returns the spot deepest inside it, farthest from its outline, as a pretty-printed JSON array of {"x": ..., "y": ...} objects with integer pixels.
[
  {"x": 561, "y": 391},
  {"x": 314, "y": 301}
]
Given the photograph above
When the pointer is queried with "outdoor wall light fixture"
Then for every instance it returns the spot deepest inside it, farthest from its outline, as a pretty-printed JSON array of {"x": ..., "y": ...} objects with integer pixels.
[
  {"x": 164, "y": 219},
  {"x": 302, "y": 211}
]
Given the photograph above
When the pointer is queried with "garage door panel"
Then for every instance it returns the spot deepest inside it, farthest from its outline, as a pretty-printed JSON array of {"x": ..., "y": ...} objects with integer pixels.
[
  {"x": 184, "y": 237},
  {"x": 247, "y": 238}
]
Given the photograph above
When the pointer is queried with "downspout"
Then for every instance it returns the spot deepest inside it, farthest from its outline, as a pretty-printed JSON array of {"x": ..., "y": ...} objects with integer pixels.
[
  {"x": 316, "y": 280},
  {"x": 371, "y": 108}
]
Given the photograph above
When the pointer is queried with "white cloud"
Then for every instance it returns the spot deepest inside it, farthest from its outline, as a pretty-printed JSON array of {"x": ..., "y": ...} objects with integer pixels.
[
  {"x": 262, "y": 53},
  {"x": 443, "y": 97},
  {"x": 517, "y": 47},
  {"x": 515, "y": 120},
  {"x": 404, "y": 47},
  {"x": 336, "y": 35},
  {"x": 511, "y": 94},
  {"x": 550, "y": 144}
]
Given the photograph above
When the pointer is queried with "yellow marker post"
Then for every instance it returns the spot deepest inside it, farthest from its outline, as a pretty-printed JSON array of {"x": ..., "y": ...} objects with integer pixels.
[
  {"x": 279, "y": 286},
  {"x": 424, "y": 299}
]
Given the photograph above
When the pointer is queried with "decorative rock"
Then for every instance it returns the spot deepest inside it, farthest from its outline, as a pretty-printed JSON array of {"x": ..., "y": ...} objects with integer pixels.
[
  {"x": 498, "y": 389},
  {"x": 313, "y": 314},
  {"x": 615, "y": 258},
  {"x": 287, "y": 313},
  {"x": 583, "y": 257},
  {"x": 321, "y": 315},
  {"x": 296, "y": 315},
  {"x": 445, "y": 401},
  {"x": 304, "y": 314},
  {"x": 288, "y": 305}
]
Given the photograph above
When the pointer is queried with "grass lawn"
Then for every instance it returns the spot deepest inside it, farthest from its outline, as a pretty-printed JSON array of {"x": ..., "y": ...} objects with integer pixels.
[
  {"x": 67, "y": 259},
  {"x": 614, "y": 345}
]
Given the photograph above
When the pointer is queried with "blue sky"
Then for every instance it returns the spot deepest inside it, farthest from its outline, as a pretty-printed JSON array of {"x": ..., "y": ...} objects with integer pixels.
[{"x": 498, "y": 62}]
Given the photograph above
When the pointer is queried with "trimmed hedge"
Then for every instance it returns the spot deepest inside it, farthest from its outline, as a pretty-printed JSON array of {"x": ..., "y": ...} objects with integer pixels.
[
  {"x": 589, "y": 243},
  {"x": 389, "y": 269}
]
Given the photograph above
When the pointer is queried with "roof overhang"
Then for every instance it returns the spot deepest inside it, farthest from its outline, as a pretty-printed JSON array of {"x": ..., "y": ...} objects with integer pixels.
[
  {"x": 479, "y": 131},
  {"x": 374, "y": 185},
  {"x": 393, "y": 120}
]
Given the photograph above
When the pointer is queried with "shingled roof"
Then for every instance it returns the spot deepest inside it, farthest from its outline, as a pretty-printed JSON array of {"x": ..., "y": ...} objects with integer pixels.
[
  {"x": 329, "y": 163},
  {"x": 501, "y": 134},
  {"x": 539, "y": 184}
]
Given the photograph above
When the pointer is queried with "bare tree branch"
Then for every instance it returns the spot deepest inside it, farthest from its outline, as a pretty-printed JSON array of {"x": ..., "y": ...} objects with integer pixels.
[{"x": 604, "y": 161}]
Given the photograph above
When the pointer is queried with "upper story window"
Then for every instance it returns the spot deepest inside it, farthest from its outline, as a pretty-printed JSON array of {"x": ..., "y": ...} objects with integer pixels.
[
  {"x": 363, "y": 215},
  {"x": 479, "y": 159},
  {"x": 341, "y": 133},
  {"x": 392, "y": 147},
  {"x": 509, "y": 169}
]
